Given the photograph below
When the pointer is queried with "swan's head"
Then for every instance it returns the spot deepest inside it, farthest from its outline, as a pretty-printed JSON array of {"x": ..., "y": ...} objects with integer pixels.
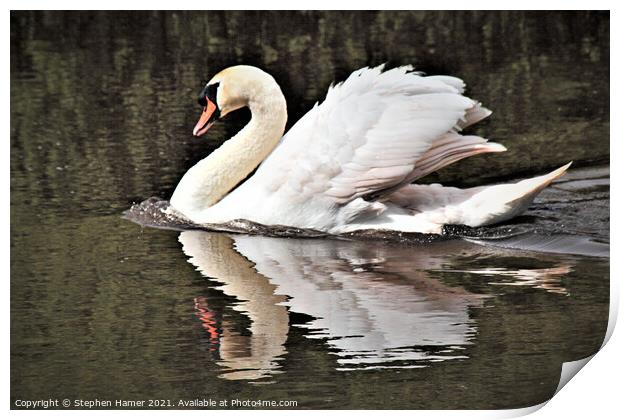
[{"x": 231, "y": 89}]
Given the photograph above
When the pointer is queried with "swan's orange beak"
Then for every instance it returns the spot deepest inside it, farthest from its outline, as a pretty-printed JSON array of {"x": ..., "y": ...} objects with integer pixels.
[{"x": 206, "y": 119}]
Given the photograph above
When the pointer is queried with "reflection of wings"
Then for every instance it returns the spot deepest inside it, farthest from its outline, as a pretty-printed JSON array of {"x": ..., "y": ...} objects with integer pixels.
[
  {"x": 367, "y": 300},
  {"x": 375, "y": 304},
  {"x": 539, "y": 278}
]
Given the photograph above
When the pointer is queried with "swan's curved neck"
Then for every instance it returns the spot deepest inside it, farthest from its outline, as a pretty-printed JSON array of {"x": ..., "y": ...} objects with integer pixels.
[{"x": 213, "y": 177}]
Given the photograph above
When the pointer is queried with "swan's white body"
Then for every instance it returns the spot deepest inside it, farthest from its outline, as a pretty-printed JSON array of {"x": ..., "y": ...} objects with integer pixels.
[{"x": 348, "y": 164}]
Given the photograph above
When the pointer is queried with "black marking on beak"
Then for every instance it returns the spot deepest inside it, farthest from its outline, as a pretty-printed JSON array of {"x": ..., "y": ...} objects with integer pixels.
[{"x": 209, "y": 92}]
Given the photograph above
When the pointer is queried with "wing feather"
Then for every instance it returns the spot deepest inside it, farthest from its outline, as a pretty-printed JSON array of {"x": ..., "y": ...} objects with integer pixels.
[{"x": 368, "y": 134}]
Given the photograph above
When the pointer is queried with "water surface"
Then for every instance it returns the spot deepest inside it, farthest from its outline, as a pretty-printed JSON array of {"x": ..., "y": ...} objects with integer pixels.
[{"x": 102, "y": 106}]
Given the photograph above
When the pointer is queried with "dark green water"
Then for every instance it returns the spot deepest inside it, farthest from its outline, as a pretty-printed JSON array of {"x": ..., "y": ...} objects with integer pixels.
[{"x": 102, "y": 107}]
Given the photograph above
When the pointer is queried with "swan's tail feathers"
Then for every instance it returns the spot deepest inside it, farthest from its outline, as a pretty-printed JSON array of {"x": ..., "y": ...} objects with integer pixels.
[
  {"x": 498, "y": 203},
  {"x": 479, "y": 206},
  {"x": 451, "y": 148},
  {"x": 529, "y": 188}
]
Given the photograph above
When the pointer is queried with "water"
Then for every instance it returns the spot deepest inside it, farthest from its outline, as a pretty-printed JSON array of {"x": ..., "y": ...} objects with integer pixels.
[{"x": 102, "y": 106}]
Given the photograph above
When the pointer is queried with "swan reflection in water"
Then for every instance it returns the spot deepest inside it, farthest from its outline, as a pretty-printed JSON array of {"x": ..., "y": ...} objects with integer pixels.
[{"x": 377, "y": 305}]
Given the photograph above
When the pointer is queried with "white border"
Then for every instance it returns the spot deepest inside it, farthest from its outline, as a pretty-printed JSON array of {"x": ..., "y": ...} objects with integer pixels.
[
  {"x": 315, "y": 5},
  {"x": 592, "y": 394}
]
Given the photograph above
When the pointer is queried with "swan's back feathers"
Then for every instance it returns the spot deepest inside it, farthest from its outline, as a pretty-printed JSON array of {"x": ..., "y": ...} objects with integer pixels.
[{"x": 368, "y": 135}]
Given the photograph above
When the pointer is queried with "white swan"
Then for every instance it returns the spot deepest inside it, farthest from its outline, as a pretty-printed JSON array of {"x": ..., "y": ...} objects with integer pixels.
[{"x": 349, "y": 163}]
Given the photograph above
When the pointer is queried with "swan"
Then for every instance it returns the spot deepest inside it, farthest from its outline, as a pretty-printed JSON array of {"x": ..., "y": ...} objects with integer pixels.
[{"x": 349, "y": 163}]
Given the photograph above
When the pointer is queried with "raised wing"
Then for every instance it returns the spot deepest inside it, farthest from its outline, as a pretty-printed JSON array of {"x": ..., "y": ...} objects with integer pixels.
[{"x": 370, "y": 131}]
